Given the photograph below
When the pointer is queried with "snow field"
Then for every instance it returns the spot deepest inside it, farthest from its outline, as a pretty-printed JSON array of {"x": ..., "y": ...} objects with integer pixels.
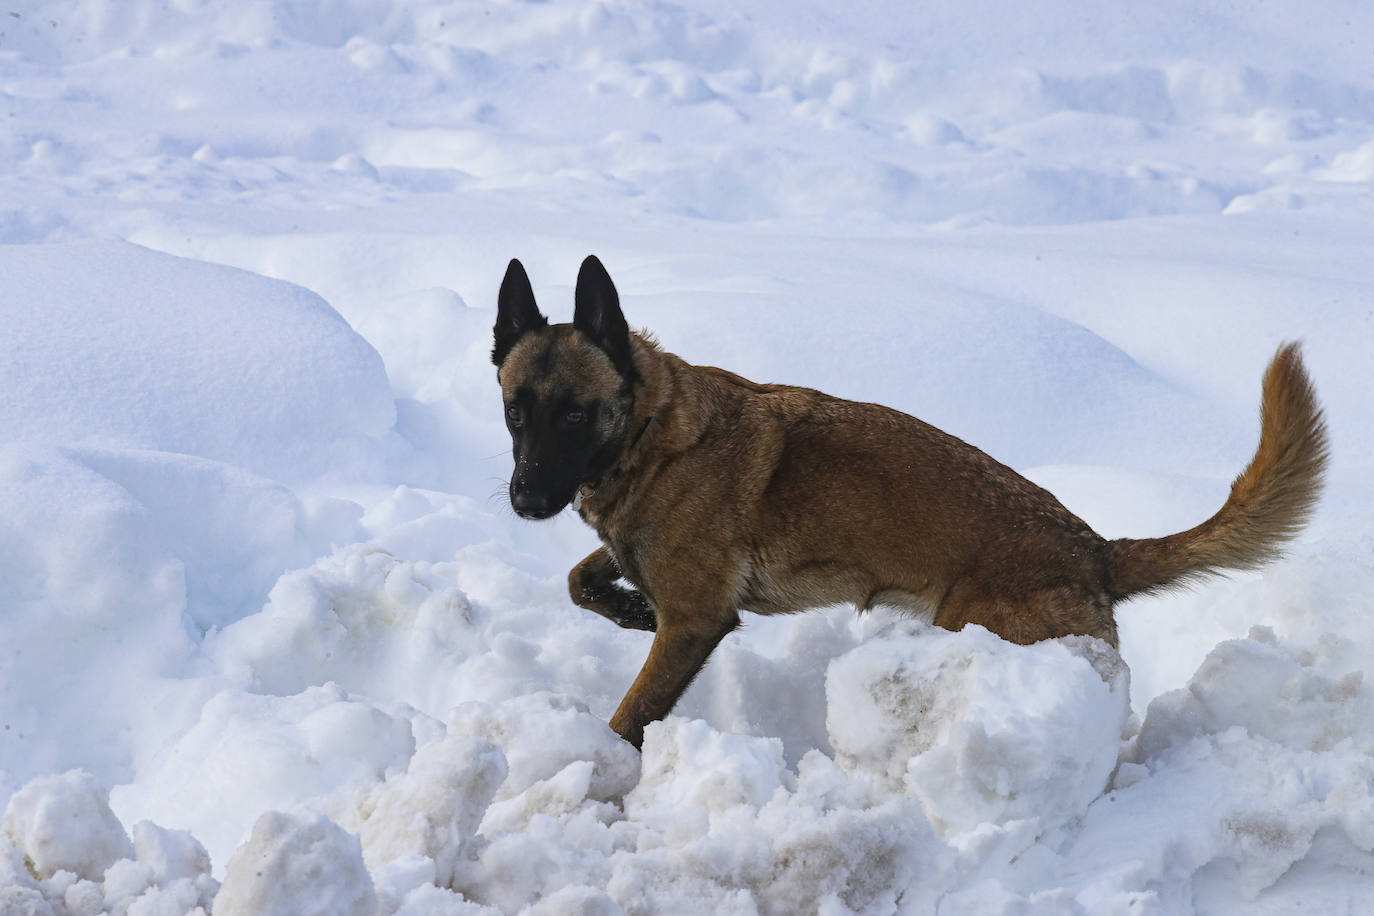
[{"x": 264, "y": 616}]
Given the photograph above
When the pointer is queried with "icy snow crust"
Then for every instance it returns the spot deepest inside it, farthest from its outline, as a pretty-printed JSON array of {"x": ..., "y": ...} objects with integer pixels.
[{"x": 271, "y": 643}]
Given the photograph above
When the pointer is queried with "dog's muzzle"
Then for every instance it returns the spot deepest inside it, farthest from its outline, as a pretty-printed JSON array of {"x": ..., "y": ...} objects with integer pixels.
[{"x": 533, "y": 505}]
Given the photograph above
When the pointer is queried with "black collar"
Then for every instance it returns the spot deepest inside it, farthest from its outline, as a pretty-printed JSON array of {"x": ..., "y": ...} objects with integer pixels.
[
  {"x": 640, "y": 435},
  {"x": 588, "y": 489}
]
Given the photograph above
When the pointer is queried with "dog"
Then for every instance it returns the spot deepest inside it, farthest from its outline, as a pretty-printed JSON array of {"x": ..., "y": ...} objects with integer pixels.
[{"x": 713, "y": 495}]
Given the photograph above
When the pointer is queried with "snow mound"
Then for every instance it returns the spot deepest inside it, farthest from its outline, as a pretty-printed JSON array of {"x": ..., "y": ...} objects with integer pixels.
[
  {"x": 981, "y": 733},
  {"x": 171, "y": 854},
  {"x": 723, "y": 824},
  {"x": 541, "y": 734},
  {"x": 692, "y": 766},
  {"x": 432, "y": 810},
  {"x": 64, "y": 852},
  {"x": 353, "y": 617},
  {"x": 297, "y": 865},
  {"x": 113, "y": 562},
  {"x": 111, "y": 344},
  {"x": 1242, "y": 792},
  {"x": 268, "y": 753},
  {"x": 1308, "y": 699},
  {"x": 968, "y": 773},
  {"x": 718, "y": 823},
  {"x": 149, "y": 401},
  {"x": 63, "y": 822}
]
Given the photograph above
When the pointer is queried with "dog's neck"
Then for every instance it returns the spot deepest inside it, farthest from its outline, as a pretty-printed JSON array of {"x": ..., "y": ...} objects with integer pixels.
[
  {"x": 653, "y": 413},
  {"x": 615, "y": 471}
]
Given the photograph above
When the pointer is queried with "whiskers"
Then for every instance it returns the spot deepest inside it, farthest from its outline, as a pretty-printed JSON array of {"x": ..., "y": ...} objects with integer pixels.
[{"x": 499, "y": 498}]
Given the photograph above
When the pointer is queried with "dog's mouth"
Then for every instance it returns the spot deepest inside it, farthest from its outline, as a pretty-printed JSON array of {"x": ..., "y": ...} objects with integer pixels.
[{"x": 538, "y": 515}]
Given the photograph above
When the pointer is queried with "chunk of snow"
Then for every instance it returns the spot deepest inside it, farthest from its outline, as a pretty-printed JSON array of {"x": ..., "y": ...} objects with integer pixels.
[
  {"x": 980, "y": 730},
  {"x": 432, "y": 809},
  {"x": 297, "y": 865},
  {"x": 63, "y": 822}
]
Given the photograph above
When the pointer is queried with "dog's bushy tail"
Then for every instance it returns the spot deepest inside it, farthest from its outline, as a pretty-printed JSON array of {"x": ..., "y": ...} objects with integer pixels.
[{"x": 1269, "y": 503}]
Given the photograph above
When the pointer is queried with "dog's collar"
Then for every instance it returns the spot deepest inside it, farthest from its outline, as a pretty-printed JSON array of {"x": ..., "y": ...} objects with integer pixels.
[
  {"x": 587, "y": 489},
  {"x": 640, "y": 435}
]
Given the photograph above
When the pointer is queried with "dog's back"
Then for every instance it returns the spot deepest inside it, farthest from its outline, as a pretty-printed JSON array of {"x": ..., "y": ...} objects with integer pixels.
[
  {"x": 867, "y": 505},
  {"x": 856, "y": 503}
]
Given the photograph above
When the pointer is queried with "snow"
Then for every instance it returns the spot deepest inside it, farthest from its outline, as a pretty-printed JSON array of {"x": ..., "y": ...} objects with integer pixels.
[
  {"x": 63, "y": 822},
  {"x": 152, "y": 362},
  {"x": 297, "y": 865},
  {"x": 978, "y": 737},
  {"x": 266, "y": 619}
]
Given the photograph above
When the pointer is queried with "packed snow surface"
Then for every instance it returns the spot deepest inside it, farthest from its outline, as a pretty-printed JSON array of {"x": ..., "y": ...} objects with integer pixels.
[{"x": 271, "y": 641}]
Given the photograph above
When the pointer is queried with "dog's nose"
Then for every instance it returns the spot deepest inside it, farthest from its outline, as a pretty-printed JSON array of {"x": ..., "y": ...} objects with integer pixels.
[{"x": 531, "y": 504}]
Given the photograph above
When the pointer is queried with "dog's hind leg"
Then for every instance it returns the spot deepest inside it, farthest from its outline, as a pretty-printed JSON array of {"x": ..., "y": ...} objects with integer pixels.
[
  {"x": 1035, "y": 614},
  {"x": 592, "y": 585}
]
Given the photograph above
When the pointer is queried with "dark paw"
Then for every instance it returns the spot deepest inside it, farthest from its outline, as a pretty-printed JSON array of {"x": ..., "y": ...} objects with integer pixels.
[
  {"x": 634, "y": 611},
  {"x": 623, "y": 607}
]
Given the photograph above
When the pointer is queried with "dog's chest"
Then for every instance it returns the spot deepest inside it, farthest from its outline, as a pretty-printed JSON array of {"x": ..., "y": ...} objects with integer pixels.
[{"x": 626, "y": 551}]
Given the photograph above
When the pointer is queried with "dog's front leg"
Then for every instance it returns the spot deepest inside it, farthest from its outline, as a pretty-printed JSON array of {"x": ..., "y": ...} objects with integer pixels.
[
  {"x": 592, "y": 585},
  {"x": 681, "y": 647}
]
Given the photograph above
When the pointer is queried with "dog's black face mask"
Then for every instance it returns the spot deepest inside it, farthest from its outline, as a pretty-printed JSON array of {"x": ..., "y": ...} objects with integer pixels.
[
  {"x": 558, "y": 447},
  {"x": 567, "y": 389}
]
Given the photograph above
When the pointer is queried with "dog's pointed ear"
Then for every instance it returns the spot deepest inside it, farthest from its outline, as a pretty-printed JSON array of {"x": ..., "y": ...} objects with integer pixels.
[
  {"x": 516, "y": 313},
  {"x": 597, "y": 314}
]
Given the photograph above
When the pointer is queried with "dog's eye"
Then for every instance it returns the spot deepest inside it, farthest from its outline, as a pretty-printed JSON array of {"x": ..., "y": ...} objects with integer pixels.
[
  {"x": 515, "y": 415},
  {"x": 573, "y": 417}
]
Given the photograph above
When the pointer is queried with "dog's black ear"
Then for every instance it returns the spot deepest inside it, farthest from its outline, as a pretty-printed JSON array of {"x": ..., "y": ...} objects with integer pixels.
[
  {"x": 516, "y": 313},
  {"x": 597, "y": 314}
]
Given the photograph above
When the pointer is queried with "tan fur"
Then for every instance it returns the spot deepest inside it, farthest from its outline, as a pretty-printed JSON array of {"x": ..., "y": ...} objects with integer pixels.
[
  {"x": 775, "y": 499},
  {"x": 556, "y": 360},
  {"x": 1270, "y": 501}
]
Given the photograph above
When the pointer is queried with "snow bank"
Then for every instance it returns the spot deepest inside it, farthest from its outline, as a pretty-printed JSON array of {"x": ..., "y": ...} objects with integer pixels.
[
  {"x": 728, "y": 828},
  {"x": 267, "y": 753},
  {"x": 358, "y": 617},
  {"x": 146, "y": 397},
  {"x": 1314, "y": 698},
  {"x": 534, "y": 800},
  {"x": 114, "y": 345},
  {"x": 1246, "y": 786},
  {"x": 982, "y": 736},
  {"x": 65, "y": 852}
]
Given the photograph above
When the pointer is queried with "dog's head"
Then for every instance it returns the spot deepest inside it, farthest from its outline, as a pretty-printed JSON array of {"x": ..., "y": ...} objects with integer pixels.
[{"x": 568, "y": 388}]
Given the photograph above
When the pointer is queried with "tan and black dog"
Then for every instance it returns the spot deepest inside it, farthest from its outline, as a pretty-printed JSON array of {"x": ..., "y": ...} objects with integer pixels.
[{"x": 713, "y": 494}]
